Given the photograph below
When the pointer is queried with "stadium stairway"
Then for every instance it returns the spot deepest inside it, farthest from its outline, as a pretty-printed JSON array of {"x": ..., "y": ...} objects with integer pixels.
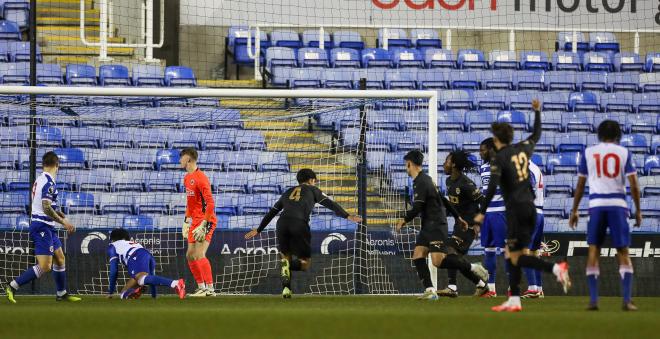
[{"x": 336, "y": 171}]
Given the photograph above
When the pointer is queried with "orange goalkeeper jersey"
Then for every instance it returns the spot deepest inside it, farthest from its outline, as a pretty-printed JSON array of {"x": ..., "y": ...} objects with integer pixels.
[{"x": 199, "y": 204}]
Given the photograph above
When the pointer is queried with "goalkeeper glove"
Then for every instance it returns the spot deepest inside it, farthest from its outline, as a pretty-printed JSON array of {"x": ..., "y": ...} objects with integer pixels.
[
  {"x": 200, "y": 232},
  {"x": 185, "y": 228}
]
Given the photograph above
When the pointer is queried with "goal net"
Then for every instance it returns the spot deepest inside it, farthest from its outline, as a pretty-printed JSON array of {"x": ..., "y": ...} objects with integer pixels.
[{"x": 119, "y": 167}]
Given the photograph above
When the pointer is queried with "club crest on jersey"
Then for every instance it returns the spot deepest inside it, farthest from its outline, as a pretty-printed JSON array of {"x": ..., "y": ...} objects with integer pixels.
[
  {"x": 51, "y": 190},
  {"x": 458, "y": 190},
  {"x": 192, "y": 181},
  {"x": 51, "y": 249},
  {"x": 42, "y": 234}
]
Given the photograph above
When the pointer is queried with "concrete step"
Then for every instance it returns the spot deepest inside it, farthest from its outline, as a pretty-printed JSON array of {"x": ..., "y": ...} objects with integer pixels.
[
  {"x": 64, "y": 4},
  {"x": 68, "y": 31},
  {"x": 67, "y": 21},
  {"x": 85, "y": 50},
  {"x": 61, "y": 40},
  {"x": 127, "y": 61},
  {"x": 229, "y": 83},
  {"x": 49, "y": 12}
]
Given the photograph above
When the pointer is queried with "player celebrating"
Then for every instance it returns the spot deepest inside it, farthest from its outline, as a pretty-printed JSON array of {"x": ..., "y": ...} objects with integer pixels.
[
  {"x": 199, "y": 223},
  {"x": 140, "y": 264},
  {"x": 47, "y": 245},
  {"x": 509, "y": 169},
  {"x": 606, "y": 165},
  {"x": 293, "y": 233},
  {"x": 432, "y": 238},
  {"x": 493, "y": 229},
  {"x": 464, "y": 197},
  {"x": 534, "y": 277}
]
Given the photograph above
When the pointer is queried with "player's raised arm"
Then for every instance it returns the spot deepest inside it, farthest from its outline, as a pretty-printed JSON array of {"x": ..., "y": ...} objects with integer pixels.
[
  {"x": 266, "y": 219},
  {"x": 536, "y": 132},
  {"x": 114, "y": 269}
]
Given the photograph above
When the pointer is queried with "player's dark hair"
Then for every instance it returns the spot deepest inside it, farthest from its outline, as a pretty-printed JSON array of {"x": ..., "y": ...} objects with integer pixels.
[
  {"x": 609, "y": 130},
  {"x": 488, "y": 142},
  {"x": 304, "y": 175},
  {"x": 415, "y": 156},
  {"x": 503, "y": 131},
  {"x": 189, "y": 151},
  {"x": 50, "y": 159},
  {"x": 461, "y": 159},
  {"x": 119, "y": 234}
]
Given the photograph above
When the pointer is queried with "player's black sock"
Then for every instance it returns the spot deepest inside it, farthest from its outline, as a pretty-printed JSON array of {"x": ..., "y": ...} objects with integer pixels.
[
  {"x": 515, "y": 275},
  {"x": 451, "y": 274},
  {"x": 423, "y": 272},
  {"x": 535, "y": 263},
  {"x": 453, "y": 261},
  {"x": 295, "y": 264}
]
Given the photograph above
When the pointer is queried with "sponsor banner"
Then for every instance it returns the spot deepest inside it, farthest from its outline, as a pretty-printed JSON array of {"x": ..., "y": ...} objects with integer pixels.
[
  {"x": 593, "y": 14},
  {"x": 575, "y": 244}
]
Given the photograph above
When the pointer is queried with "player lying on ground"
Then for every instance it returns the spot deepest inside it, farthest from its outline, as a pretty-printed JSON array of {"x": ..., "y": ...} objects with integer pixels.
[
  {"x": 432, "y": 238},
  {"x": 509, "y": 168},
  {"x": 534, "y": 276},
  {"x": 493, "y": 229},
  {"x": 293, "y": 233},
  {"x": 606, "y": 166},
  {"x": 47, "y": 245},
  {"x": 463, "y": 196},
  {"x": 199, "y": 223},
  {"x": 139, "y": 263}
]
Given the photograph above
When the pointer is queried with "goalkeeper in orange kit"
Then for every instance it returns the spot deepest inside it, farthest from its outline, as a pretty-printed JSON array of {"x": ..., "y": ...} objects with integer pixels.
[{"x": 199, "y": 223}]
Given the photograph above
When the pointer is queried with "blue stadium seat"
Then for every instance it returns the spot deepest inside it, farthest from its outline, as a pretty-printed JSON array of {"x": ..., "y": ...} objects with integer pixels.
[
  {"x": 180, "y": 76},
  {"x": 280, "y": 76},
  {"x": 425, "y": 38},
  {"x": 344, "y": 57},
  {"x": 555, "y": 100},
  {"x": 529, "y": 80},
  {"x": 516, "y": 119},
  {"x": 273, "y": 162},
  {"x": 563, "y": 162},
  {"x": 566, "y": 61},
  {"x": 9, "y": 30},
  {"x": 481, "y": 119},
  {"x": 471, "y": 58},
  {"x": 114, "y": 75},
  {"x": 647, "y": 102},
  {"x": 561, "y": 80},
  {"x": 616, "y": 116},
  {"x": 571, "y": 142},
  {"x": 376, "y": 57},
  {"x": 375, "y": 78},
  {"x": 559, "y": 184},
  {"x": 138, "y": 222},
  {"x": 655, "y": 141},
  {"x": 340, "y": 78},
  {"x": 16, "y": 73},
  {"x": 433, "y": 78},
  {"x": 49, "y": 137},
  {"x": 17, "y": 11},
  {"x": 14, "y": 221},
  {"x": 405, "y": 78},
  {"x": 497, "y": 79},
  {"x": 465, "y": 79},
  {"x": 280, "y": 56},
  {"x": 10, "y": 158},
  {"x": 650, "y": 207},
  {"x": 233, "y": 182},
  {"x": 246, "y": 161},
  {"x": 96, "y": 180},
  {"x": 348, "y": 39},
  {"x": 312, "y": 57},
  {"x": 77, "y": 202},
  {"x": 306, "y": 77},
  {"x": 148, "y": 76},
  {"x": 584, "y": 101},
  {"x": 551, "y": 121},
  {"x": 628, "y": 62},
  {"x": 565, "y": 41},
  {"x": 597, "y": 61},
  {"x": 577, "y": 121},
  {"x": 311, "y": 38},
  {"x": 19, "y": 51},
  {"x": 249, "y": 140},
  {"x": 617, "y": 102},
  {"x": 259, "y": 183},
  {"x": 237, "y": 44},
  {"x": 642, "y": 123},
  {"x": 130, "y": 180},
  {"x": 70, "y": 157},
  {"x": 626, "y": 81},
  {"x": 227, "y": 204},
  {"x": 636, "y": 143},
  {"x": 491, "y": 99},
  {"x": 286, "y": 38},
  {"x": 448, "y": 120},
  {"x": 652, "y": 63},
  {"x": 84, "y": 75},
  {"x": 396, "y": 37},
  {"x": 14, "y": 203},
  {"x": 455, "y": 99},
  {"x": 534, "y": 60},
  {"x": 593, "y": 81},
  {"x": 547, "y": 142},
  {"x": 522, "y": 100},
  {"x": 649, "y": 82},
  {"x": 555, "y": 206},
  {"x": 603, "y": 42},
  {"x": 4, "y": 51},
  {"x": 167, "y": 159},
  {"x": 162, "y": 181},
  {"x": 49, "y": 74},
  {"x": 502, "y": 59},
  {"x": 652, "y": 165},
  {"x": 439, "y": 58},
  {"x": 407, "y": 57}
]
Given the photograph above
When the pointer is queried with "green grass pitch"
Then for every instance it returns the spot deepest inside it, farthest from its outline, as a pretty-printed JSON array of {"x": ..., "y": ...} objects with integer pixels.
[{"x": 323, "y": 317}]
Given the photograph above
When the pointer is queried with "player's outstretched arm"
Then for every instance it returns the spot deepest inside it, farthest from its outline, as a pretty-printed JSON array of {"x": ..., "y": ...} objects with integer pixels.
[
  {"x": 58, "y": 217},
  {"x": 266, "y": 220},
  {"x": 579, "y": 192},
  {"x": 635, "y": 193},
  {"x": 536, "y": 132}
]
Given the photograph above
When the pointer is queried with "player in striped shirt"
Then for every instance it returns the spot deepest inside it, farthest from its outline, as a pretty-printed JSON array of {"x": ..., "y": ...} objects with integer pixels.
[
  {"x": 199, "y": 223},
  {"x": 534, "y": 277},
  {"x": 47, "y": 245},
  {"x": 606, "y": 166}
]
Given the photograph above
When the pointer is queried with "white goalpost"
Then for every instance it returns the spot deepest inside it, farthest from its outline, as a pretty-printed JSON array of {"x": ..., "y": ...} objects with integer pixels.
[{"x": 119, "y": 150}]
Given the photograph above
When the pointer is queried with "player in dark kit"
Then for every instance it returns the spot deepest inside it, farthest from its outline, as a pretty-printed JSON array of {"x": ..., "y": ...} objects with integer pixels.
[
  {"x": 509, "y": 168},
  {"x": 432, "y": 238},
  {"x": 464, "y": 196},
  {"x": 293, "y": 233}
]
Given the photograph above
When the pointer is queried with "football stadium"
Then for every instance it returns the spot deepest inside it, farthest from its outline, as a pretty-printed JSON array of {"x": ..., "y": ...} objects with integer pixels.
[{"x": 329, "y": 169}]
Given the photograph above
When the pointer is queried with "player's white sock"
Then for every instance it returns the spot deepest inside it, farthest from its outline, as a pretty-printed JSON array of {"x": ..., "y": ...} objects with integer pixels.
[
  {"x": 539, "y": 288},
  {"x": 556, "y": 270},
  {"x": 533, "y": 288},
  {"x": 201, "y": 285},
  {"x": 210, "y": 287},
  {"x": 14, "y": 284},
  {"x": 174, "y": 283},
  {"x": 481, "y": 284},
  {"x": 60, "y": 293},
  {"x": 491, "y": 286},
  {"x": 430, "y": 289},
  {"x": 452, "y": 287},
  {"x": 514, "y": 301}
]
